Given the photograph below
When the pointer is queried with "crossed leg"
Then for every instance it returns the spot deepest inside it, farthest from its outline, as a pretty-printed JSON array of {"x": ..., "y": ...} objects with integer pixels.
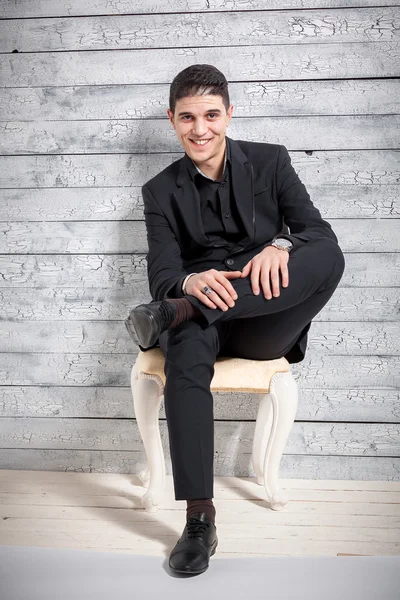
[{"x": 254, "y": 328}]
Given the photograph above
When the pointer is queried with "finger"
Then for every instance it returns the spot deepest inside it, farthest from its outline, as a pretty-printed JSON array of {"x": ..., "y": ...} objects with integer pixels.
[
  {"x": 265, "y": 281},
  {"x": 224, "y": 289},
  {"x": 200, "y": 295},
  {"x": 223, "y": 278},
  {"x": 231, "y": 274},
  {"x": 285, "y": 275},
  {"x": 246, "y": 269},
  {"x": 275, "y": 279},
  {"x": 255, "y": 278}
]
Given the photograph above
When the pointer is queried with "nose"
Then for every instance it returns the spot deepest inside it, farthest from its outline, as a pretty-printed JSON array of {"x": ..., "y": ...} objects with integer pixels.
[{"x": 199, "y": 128}]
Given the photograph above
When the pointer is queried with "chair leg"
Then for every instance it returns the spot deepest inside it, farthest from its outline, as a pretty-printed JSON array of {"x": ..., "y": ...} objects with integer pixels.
[
  {"x": 261, "y": 436},
  {"x": 147, "y": 399},
  {"x": 279, "y": 423}
]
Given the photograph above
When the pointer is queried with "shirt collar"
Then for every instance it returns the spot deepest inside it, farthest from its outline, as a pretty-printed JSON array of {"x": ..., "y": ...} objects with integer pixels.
[{"x": 194, "y": 169}]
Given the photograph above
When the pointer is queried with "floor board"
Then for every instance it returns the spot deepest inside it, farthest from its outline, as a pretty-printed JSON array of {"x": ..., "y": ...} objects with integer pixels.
[{"x": 102, "y": 511}]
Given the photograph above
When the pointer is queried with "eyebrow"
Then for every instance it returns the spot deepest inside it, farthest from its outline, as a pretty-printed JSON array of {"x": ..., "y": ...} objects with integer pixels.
[{"x": 214, "y": 110}]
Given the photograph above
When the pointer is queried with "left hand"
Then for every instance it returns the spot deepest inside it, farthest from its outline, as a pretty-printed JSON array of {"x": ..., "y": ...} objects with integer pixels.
[{"x": 267, "y": 264}]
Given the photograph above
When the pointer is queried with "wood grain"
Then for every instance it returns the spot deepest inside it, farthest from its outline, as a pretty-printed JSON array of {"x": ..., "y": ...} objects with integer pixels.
[
  {"x": 253, "y": 99},
  {"x": 152, "y": 135},
  {"x": 255, "y": 63},
  {"x": 75, "y": 8},
  {"x": 186, "y": 30}
]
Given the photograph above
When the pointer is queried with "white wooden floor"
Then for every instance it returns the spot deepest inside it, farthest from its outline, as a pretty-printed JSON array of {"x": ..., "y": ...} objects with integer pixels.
[{"x": 102, "y": 512}]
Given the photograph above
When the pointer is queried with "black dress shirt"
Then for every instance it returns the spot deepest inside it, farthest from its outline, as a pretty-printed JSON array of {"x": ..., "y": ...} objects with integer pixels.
[{"x": 221, "y": 220}]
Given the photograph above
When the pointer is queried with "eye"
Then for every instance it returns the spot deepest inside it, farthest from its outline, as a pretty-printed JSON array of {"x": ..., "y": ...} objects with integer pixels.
[{"x": 212, "y": 115}]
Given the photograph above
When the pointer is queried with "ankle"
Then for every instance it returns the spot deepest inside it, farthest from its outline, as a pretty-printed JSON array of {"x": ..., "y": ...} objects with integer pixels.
[{"x": 205, "y": 505}]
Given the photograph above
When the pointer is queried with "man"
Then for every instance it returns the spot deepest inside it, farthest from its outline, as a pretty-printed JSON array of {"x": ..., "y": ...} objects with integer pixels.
[{"x": 217, "y": 248}]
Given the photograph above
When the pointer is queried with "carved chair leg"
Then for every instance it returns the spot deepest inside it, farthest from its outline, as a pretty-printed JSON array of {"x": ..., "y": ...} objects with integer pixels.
[
  {"x": 261, "y": 436},
  {"x": 147, "y": 399},
  {"x": 283, "y": 400}
]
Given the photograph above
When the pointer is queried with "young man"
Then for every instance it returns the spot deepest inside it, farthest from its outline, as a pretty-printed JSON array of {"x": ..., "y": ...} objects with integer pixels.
[{"x": 226, "y": 277}]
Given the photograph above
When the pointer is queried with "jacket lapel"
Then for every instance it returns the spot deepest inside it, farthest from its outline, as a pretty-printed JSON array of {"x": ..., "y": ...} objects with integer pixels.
[
  {"x": 187, "y": 197},
  {"x": 242, "y": 183}
]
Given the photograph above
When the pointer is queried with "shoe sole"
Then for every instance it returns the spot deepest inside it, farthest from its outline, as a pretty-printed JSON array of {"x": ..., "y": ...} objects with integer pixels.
[
  {"x": 191, "y": 571},
  {"x": 140, "y": 326}
]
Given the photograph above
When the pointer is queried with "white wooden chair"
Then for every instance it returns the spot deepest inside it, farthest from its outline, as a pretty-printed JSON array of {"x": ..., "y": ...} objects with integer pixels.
[{"x": 276, "y": 413}]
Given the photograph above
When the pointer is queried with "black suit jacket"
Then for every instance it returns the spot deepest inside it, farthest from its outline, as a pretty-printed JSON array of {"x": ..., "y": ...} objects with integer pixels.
[{"x": 270, "y": 198}]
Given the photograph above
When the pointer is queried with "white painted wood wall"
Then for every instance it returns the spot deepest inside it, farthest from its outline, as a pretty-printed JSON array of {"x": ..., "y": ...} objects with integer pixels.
[{"x": 83, "y": 98}]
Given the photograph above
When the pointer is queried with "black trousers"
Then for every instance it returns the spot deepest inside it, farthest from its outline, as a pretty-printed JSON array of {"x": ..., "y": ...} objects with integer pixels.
[{"x": 254, "y": 328}]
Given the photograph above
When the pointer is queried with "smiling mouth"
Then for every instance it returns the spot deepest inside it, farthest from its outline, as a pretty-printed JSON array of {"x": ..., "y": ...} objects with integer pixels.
[{"x": 200, "y": 143}]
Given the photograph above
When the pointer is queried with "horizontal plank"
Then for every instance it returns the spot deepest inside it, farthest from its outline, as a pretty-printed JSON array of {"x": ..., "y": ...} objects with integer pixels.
[
  {"x": 240, "y": 533},
  {"x": 114, "y": 499},
  {"x": 335, "y": 201},
  {"x": 231, "y": 438},
  {"x": 139, "y": 545},
  {"x": 72, "y": 8},
  {"x": 367, "y": 167},
  {"x": 115, "y": 462},
  {"x": 112, "y": 481},
  {"x": 377, "y": 269},
  {"x": 77, "y": 515},
  {"x": 104, "y": 337},
  {"x": 327, "y": 404},
  {"x": 154, "y": 135},
  {"x": 185, "y": 30},
  {"x": 112, "y": 304},
  {"x": 255, "y": 99},
  {"x": 120, "y": 237},
  {"x": 316, "y": 371},
  {"x": 276, "y": 62}
]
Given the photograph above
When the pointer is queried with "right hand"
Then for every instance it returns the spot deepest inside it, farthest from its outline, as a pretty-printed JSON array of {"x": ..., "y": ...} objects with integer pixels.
[{"x": 219, "y": 282}]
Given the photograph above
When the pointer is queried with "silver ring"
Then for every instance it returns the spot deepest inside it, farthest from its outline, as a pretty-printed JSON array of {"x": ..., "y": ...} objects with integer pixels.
[{"x": 207, "y": 290}]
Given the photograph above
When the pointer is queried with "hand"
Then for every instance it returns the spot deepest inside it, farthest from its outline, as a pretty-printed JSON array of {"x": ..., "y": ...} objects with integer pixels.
[
  {"x": 219, "y": 282},
  {"x": 265, "y": 264}
]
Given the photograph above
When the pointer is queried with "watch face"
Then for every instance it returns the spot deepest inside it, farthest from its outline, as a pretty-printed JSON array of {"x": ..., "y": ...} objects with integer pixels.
[{"x": 283, "y": 243}]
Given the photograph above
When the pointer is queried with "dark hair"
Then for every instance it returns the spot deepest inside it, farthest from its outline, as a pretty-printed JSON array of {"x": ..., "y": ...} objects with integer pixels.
[{"x": 199, "y": 80}]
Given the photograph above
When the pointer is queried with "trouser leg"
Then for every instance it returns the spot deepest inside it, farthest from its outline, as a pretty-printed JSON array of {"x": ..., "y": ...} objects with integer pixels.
[
  {"x": 271, "y": 336},
  {"x": 312, "y": 268},
  {"x": 190, "y": 353},
  {"x": 192, "y": 347}
]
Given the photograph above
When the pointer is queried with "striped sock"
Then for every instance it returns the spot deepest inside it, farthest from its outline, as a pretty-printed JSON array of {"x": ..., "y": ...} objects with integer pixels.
[{"x": 184, "y": 311}]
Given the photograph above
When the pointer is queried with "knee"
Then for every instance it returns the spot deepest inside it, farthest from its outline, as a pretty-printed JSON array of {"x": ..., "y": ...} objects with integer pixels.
[
  {"x": 338, "y": 259},
  {"x": 334, "y": 256}
]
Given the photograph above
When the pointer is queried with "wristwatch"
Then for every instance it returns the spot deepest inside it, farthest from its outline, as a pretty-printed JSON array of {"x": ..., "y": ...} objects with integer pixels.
[{"x": 282, "y": 244}]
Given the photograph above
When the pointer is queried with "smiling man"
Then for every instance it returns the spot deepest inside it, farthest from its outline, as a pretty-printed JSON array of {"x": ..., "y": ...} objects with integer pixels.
[{"x": 227, "y": 277}]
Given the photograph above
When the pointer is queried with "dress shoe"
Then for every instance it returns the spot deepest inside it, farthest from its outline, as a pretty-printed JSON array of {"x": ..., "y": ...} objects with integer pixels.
[
  {"x": 146, "y": 322},
  {"x": 197, "y": 543}
]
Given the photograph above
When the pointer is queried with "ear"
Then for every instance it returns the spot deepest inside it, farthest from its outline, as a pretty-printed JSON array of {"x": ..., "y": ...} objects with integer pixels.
[
  {"x": 229, "y": 112},
  {"x": 171, "y": 117}
]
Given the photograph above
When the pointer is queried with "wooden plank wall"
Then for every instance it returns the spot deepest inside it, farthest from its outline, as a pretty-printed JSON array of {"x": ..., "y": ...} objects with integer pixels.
[{"x": 83, "y": 98}]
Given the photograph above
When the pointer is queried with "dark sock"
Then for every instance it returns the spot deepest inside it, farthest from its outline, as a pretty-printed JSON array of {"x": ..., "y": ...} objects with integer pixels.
[
  {"x": 184, "y": 311},
  {"x": 202, "y": 505}
]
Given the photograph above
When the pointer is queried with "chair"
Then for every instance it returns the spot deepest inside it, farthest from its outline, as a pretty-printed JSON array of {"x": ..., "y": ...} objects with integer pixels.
[{"x": 276, "y": 413}]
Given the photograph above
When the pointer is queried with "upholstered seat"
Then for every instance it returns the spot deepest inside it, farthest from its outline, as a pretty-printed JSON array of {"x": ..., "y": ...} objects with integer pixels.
[{"x": 272, "y": 379}]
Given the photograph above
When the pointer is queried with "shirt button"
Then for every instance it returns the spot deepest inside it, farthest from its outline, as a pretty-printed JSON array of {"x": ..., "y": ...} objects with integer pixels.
[
  {"x": 229, "y": 261},
  {"x": 227, "y": 215},
  {"x": 223, "y": 184}
]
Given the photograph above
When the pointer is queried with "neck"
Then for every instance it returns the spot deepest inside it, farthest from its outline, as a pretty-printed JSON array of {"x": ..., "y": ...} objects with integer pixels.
[{"x": 214, "y": 167}]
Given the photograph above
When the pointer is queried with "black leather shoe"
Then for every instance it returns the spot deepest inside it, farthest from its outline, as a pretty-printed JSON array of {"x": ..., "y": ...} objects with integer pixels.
[
  {"x": 146, "y": 322},
  {"x": 197, "y": 543}
]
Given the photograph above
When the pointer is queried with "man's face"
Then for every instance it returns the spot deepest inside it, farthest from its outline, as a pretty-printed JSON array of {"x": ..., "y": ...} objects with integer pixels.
[{"x": 201, "y": 118}]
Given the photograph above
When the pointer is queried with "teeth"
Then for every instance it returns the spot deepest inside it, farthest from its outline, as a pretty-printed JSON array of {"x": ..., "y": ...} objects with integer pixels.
[{"x": 200, "y": 142}]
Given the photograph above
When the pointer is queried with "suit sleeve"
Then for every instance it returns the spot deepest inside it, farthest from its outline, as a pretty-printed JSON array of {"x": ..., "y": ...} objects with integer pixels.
[
  {"x": 299, "y": 213},
  {"x": 164, "y": 261}
]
